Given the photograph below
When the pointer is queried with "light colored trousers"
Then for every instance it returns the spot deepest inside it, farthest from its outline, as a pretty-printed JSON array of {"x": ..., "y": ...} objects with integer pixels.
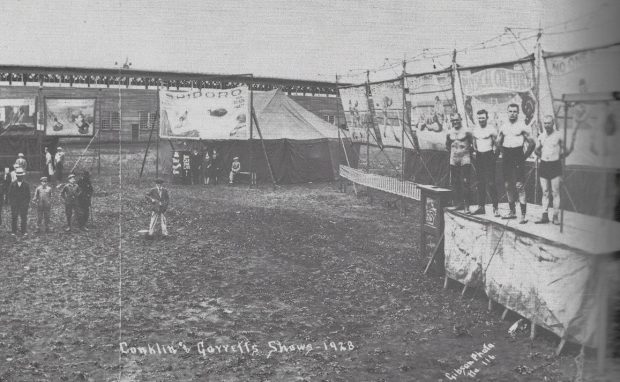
[
  {"x": 551, "y": 186},
  {"x": 155, "y": 217}
]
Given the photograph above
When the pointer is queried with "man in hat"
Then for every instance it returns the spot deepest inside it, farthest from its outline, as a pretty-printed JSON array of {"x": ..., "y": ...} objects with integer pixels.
[
  {"x": 19, "y": 199},
  {"x": 43, "y": 199},
  {"x": 71, "y": 194},
  {"x": 59, "y": 160},
  {"x": 234, "y": 170},
  {"x": 160, "y": 199},
  {"x": 21, "y": 162}
]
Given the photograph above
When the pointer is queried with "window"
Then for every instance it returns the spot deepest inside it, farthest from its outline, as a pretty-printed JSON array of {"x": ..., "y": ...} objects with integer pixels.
[
  {"x": 147, "y": 120},
  {"x": 110, "y": 120},
  {"x": 330, "y": 118}
]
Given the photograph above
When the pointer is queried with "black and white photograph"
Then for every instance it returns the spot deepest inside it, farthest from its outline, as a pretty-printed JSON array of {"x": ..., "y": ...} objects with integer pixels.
[{"x": 275, "y": 191}]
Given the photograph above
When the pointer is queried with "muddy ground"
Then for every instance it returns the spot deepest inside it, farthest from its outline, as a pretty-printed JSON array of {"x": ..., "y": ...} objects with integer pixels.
[{"x": 305, "y": 265}]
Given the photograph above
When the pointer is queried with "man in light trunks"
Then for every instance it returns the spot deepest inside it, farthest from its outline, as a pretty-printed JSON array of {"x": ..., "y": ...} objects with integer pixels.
[
  {"x": 485, "y": 154},
  {"x": 513, "y": 136},
  {"x": 549, "y": 150},
  {"x": 459, "y": 146}
]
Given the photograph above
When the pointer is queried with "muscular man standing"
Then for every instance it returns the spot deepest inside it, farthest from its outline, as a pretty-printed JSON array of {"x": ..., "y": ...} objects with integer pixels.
[
  {"x": 513, "y": 135},
  {"x": 459, "y": 146},
  {"x": 485, "y": 154},
  {"x": 549, "y": 150}
]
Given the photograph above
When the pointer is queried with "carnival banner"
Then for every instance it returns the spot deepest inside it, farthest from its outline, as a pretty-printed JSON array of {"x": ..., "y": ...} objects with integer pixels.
[
  {"x": 387, "y": 101},
  {"x": 432, "y": 101},
  {"x": 592, "y": 127},
  {"x": 70, "y": 117},
  {"x": 493, "y": 88},
  {"x": 205, "y": 114},
  {"x": 357, "y": 114},
  {"x": 18, "y": 116}
]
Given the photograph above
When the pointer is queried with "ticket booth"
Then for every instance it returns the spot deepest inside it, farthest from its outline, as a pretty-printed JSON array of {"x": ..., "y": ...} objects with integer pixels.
[{"x": 433, "y": 200}]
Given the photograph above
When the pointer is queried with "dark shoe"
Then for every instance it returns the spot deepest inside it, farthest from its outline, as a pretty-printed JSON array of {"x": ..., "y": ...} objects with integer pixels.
[
  {"x": 543, "y": 220},
  {"x": 496, "y": 212},
  {"x": 510, "y": 215},
  {"x": 479, "y": 211},
  {"x": 556, "y": 220},
  {"x": 523, "y": 220}
]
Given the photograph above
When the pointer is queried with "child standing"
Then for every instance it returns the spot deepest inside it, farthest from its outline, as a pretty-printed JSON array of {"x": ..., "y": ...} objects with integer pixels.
[{"x": 43, "y": 200}]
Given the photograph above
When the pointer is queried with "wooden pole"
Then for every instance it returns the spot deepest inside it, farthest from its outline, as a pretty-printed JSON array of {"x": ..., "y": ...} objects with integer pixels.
[
  {"x": 563, "y": 162},
  {"x": 148, "y": 144},
  {"x": 367, "y": 124},
  {"x": 158, "y": 140},
  {"x": 260, "y": 135},
  {"x": 537, "y": 76},
  {"x": 251, "y": 108},
  {"x": 402, "y": 137},
  {"x": 346, "y": 156}
]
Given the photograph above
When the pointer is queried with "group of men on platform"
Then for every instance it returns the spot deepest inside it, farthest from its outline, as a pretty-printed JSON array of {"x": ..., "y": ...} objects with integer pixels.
[
  {"x": 481, "y": 148},
  {"x": 202, "y": 169},
  {"x": 15, "y": 192}
]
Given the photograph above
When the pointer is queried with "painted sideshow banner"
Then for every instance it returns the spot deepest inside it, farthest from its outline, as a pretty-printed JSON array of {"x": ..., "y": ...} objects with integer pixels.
[
  {"x": 205, "y": 113},
  {"x": 357, "y": 114},
  {"x": 494, "y": 88},
  {"x": 432, "y": 101},
  {"x": 387, "y": 101},
  {"x": 592, "y": 128},
  {"x": 18, "y": 116},
  {"x": 70, "y": 117}
]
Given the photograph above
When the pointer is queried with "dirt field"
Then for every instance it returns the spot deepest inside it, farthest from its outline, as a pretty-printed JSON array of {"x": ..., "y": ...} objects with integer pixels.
[{"x": 337, "y": 281}]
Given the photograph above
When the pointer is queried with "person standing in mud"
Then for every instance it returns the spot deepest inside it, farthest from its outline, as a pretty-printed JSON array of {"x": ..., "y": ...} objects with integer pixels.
[
  {"x": 160, "y": 199},
  {"x": 70, "y": 194},
  {"x": 84, "y": 199}
]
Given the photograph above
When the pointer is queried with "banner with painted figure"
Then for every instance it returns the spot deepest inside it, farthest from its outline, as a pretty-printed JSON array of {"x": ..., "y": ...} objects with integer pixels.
[
  {"x": 205, "y": 114},
  {"x": 592, "y": 128},
  {"x": 387, "y": 104},
  {"x": 18, "y": 116},
  {"x": 357, "y": 114},
  {"x": 432, "y": 101},
  {"x": 70, "y": 117},
  {"x": 493, "y": 88}
]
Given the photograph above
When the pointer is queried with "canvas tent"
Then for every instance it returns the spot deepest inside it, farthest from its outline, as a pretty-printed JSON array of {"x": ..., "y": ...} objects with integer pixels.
[{"x": 301, "y": 146}]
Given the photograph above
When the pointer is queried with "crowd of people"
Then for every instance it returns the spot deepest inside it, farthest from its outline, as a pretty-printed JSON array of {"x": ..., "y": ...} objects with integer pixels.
[
  {"x": 15, "y": 192},
  {"x": 202, "y": 168},
  {"x": 481, "y": 148}
]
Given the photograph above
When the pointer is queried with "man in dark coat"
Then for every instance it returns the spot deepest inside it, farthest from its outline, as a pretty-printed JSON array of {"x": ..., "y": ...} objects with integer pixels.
[
  {"x": 84, "y": 200},
  {"x": 160, "y": 199},
  {"x": 19, "y": 199},
  {"x": 5, "y": 183}
]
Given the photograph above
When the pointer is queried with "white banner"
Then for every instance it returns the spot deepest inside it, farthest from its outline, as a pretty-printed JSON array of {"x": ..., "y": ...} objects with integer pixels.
[
  {"x": 205, "y": 114},
  {"x": 387, "y": 99},
  {"x": 357, "y": 115}
]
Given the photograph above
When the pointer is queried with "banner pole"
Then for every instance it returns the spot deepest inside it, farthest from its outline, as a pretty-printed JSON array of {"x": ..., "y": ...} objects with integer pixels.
[
  {"x": 402, "y": 138},
  {"x": 158, "y": 140},
  {"x": 367, "y": 124},
  {"x": 538, "y": 130},
  {"x": 563, "y": 162},
  {"x": 344, "y": 148},
  {"x": 273, "y": 179},
  {"x": 251, "y": 124}
]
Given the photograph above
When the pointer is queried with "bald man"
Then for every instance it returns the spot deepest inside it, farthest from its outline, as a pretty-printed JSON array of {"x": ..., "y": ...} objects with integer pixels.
[{"x": 550, "y": 151}]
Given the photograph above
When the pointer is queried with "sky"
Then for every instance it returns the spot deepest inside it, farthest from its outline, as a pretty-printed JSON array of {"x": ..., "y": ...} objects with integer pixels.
[{"x": 311, "y": 39}]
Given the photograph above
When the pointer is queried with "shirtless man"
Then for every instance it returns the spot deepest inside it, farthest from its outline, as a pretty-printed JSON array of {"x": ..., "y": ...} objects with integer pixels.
[
  {"x": 485, "y": 153},
  {"x": 549, "y": 150},
  {"x": 459, "y": 146},
  {"x": 513, "y": 136}
]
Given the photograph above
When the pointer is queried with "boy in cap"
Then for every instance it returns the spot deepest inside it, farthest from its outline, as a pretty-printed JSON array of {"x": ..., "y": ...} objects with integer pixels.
[
  {"x": 160, "y": 199},
  {"x": 19, "y": 199},
  {"x": 70, "y": 194},
  {"x": 43, "y": 200},
  {"x": 234, "y": 170}
]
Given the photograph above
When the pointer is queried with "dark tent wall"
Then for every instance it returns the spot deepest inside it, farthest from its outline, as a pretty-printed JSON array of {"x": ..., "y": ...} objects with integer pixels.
[
  {"x": 589, "y": 189},
  {"x": 292, "y": 161},
  {"x": 30, "y": 146}
]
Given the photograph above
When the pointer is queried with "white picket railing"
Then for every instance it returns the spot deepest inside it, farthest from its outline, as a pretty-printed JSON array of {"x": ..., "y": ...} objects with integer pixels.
[{"x": 383, "y": 183}]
